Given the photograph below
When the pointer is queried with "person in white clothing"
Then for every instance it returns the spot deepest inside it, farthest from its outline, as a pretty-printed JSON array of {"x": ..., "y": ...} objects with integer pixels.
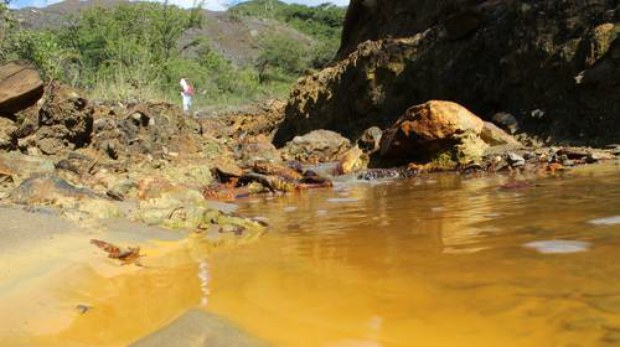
[{"x": 187, "y": 91}]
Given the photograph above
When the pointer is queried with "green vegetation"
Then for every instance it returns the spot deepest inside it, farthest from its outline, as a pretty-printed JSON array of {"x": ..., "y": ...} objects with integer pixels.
[
  {"x": 5, "y": 22},
  {"x": 323, "y": 22},
  {"x": 138, "y": 51}
]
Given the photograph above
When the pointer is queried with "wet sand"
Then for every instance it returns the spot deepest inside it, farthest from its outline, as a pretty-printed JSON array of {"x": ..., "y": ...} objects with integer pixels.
[{"x": 56, "y": 289}]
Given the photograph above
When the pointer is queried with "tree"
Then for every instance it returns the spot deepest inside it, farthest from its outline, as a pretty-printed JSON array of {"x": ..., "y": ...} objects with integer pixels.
[
  {"x": 5, "y": 22},
  {"x": 281, "y": 56},
  {"x": 170, "y": 22}
]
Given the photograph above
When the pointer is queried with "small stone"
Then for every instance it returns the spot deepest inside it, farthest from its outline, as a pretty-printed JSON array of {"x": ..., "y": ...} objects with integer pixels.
[
  {"x": 528, "y": 155},
  {"x": 515, "y": 160},
  {"x": 507, "y": 121},
  {"x": 537, "y": 113},
  {"x": 592, "y": 158},
  {"x": 568, "y": 162},
  {"x": 83, "y": 308}
]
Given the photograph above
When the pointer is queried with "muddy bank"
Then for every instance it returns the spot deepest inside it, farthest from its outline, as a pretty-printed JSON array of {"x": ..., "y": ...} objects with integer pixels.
[{"x": 58, "y": 289}]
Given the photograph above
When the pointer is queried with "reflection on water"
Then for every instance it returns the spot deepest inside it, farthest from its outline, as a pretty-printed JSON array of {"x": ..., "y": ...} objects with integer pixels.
[
  {"x": 436, "y": 261},
  {"x": 441, "y": 262},
  {"x": 203, "y": 275}
]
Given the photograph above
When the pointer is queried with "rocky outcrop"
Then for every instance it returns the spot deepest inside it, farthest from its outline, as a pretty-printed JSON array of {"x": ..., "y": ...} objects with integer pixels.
[
  {"x": 553, "y": 65},
  {"x": 256, "y": 119},
  {"x": 20, "y": 87},
  {"x": 65, "y": 121}
]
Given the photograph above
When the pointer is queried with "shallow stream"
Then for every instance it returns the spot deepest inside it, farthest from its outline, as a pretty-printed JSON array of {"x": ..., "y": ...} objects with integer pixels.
[{"x": 441, "y": 260}]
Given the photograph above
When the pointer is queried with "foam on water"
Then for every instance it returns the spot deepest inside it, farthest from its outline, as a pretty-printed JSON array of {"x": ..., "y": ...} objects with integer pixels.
[
  {"x": 343, "y": 200},
  {"x": 558, "y": 246},
  {"x": 606, "y": 221}
]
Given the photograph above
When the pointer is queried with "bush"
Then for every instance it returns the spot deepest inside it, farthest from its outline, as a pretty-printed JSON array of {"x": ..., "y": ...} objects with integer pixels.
[
  {"x": 281, "y": 58},
  {"x": 45, "y": 51}
]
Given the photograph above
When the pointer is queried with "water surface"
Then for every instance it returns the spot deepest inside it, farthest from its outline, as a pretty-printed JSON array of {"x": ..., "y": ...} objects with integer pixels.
[
  {"x": 437, "y": 261},
  {"x": 441, "y": 260}
]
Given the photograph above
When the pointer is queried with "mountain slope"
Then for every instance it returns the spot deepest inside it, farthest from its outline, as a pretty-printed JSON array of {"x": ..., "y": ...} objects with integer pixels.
[{"x": 237, "y": 38}]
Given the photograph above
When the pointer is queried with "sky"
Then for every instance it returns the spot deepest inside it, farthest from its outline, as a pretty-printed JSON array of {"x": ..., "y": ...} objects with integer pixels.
[{"x": 214, "y": 5}]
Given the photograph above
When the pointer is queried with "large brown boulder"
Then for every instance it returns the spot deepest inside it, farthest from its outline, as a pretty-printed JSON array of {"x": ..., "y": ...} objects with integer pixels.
[
  {"x": 554, "y": 65},
  {"x": 20, "y": 87},
  {"x": 443, "y": 133},
  {"x": 429, "y": 129}
]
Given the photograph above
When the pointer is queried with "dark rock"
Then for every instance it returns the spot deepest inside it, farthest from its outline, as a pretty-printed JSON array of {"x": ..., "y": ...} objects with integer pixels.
[
  {"x": 592, "y": 158},
  {"x": 515, "y": 160},
  {"x": 46, "y": 189},
  {"x": 507, "y": 121},
  {"x": 529, "y": 155},
  {"x": 370, "y": 141},
  {"x": 461, "y": 24},
  {"x": 385, "y": 174},
  {"x": 65, "y": 121}
]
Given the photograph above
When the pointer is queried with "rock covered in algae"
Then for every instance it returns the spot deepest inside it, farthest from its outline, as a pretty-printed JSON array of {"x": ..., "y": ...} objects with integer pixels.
[{"x": 187, "y": 209}]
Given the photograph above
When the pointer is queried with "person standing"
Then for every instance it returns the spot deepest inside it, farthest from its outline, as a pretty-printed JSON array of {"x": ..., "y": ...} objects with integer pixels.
[{"x": 187, "y": 91}]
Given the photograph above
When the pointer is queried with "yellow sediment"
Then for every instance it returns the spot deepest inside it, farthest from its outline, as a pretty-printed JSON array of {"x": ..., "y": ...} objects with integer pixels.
[{"x": 97, "y": 301}]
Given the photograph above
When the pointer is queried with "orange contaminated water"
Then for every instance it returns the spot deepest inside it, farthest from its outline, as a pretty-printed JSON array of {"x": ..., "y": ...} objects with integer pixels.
[
  {"x": 439, "y": 261},
  {"x": 434, "y": 261}
]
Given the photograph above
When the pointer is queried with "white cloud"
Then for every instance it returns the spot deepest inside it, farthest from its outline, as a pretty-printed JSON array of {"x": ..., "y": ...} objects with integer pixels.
[
  {"x": 318, "y": 2},
  {"x": 221, "y": 5},
  {"x": 213, "y": 5}
]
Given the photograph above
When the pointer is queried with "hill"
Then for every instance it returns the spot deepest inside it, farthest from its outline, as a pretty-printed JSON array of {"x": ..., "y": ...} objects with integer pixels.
[
  {"x": 236, "y": 37},
  {"x": 116, "y": 49}
]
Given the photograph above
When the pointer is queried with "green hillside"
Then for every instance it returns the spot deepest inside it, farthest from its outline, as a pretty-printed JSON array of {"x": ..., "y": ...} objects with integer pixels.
[
  {"x": 138, "y": 51},
  {"x": 323, "y": 22}
]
